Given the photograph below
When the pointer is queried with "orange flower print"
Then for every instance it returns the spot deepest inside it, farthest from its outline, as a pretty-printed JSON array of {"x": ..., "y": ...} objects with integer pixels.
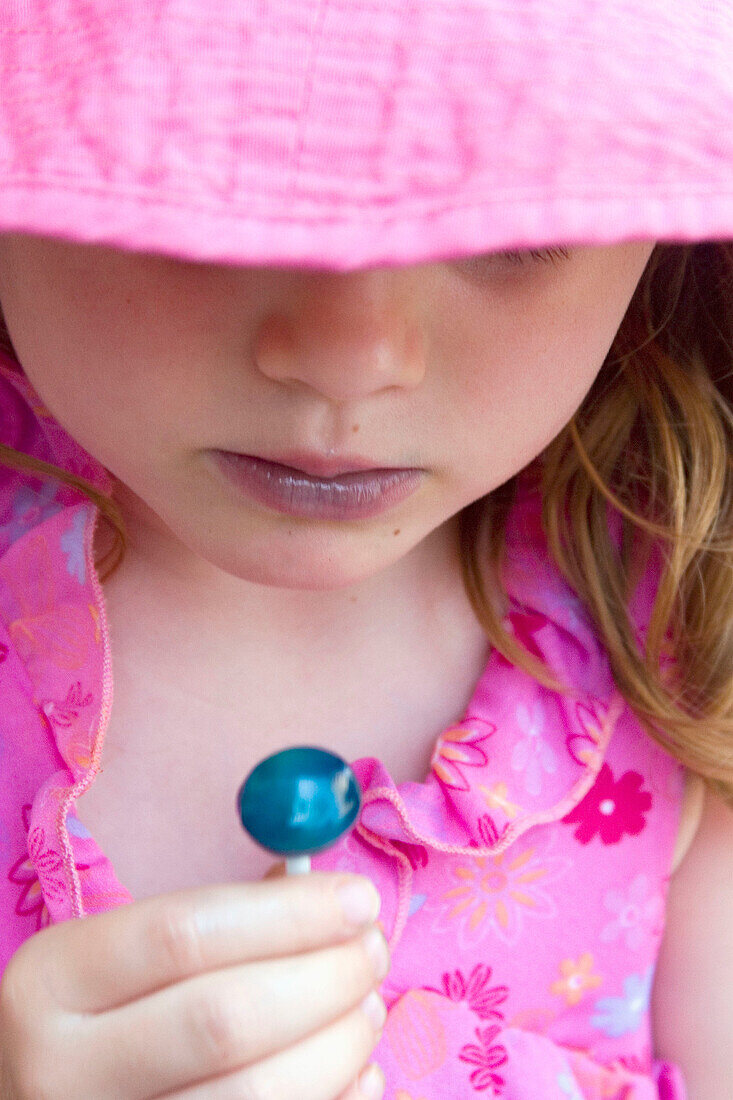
[
  {"x": 402, "y": 1095},
  {"x": 45, "y": 627},
  {"x": 95, "y": 616},
  {"x": 460, "y": 745},
  {"x": 496, "y": 797},
  {"x": 497, "y": 893},
  {"x": 576, "y": 979}
]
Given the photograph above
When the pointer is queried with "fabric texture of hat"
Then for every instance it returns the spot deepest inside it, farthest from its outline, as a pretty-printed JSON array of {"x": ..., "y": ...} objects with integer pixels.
[{"x": 347, "y": 133}]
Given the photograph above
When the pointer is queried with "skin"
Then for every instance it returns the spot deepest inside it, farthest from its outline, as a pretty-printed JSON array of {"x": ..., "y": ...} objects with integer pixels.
[{"x": 466, "y": 369}]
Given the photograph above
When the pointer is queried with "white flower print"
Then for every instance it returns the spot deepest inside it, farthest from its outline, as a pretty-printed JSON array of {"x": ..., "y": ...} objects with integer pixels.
[
  {"x": 638, "y": 915},
  {"x": 532, "y": 755}
]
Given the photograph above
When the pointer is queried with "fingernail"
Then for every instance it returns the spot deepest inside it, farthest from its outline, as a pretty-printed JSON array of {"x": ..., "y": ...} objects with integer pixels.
[
  {"x": 378, "y": 951},
  {"x": 371, "y": 1082},
  {"x": 375, "y": 1010},
  {"x": 359, "y": 901}
]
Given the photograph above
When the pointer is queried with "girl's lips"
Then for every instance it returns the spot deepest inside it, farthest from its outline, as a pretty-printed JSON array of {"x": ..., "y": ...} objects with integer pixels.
[
  {"x": 354, "y": 495},
  {"x": 317, "y": 465}
]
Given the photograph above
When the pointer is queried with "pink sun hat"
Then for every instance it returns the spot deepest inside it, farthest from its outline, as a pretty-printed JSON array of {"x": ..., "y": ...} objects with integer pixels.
[{"x": 348, "y": 133}]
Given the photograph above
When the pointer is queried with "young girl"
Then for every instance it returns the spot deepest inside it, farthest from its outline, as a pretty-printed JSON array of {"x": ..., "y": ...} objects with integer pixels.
[{"x": 358, "y": 390}]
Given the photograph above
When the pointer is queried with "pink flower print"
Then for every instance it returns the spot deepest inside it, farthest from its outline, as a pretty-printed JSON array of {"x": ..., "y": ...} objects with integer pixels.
[
  {"x": 640, "y": 1062},
  {"x": 482, "y": 998},
  {"x": 488, "y": 832},
  {"x": 460, "y": 745},
  {"x": 532, "y": 755},
  {"x": 524, "y": 625},
  {"x": 25, "y": 872},
  {"x": 611, "y": 809},
  {"x": 495, "y": 893},
  {"x": 583, "y": 747},
  {"x": 31, "y": 900},
  {"x": 63, "y": 714},
  {"x": 669, "y": 1082},
  {"x": 639, "y": 917},
  {"x": 576, "y": 979},
  {"x": 488, "y": 1058}
]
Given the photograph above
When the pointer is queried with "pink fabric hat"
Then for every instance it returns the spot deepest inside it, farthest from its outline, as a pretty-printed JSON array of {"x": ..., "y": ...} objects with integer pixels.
[{"x": 346, "y": 133}]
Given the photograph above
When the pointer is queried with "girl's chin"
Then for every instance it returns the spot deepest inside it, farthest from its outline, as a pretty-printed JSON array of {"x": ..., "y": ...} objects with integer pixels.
[{"x": 309, "y": 569}]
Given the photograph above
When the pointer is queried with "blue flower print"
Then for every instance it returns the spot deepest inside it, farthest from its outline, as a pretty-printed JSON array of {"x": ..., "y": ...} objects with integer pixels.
[
  {"x": 416, "y": 902},
  {"x": 72, "y": 544},
  {"x": 623, "y": 1015},
  {"x": 29, "y": 508},
  {"x": 75, "y": 827},
  {"x": 566, "y": 1082}
]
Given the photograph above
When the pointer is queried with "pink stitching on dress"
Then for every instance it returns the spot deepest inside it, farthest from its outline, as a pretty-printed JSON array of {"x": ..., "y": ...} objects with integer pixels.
[
  {"x": 404, "y": 883},
  {"x": 77, "y": 904}
]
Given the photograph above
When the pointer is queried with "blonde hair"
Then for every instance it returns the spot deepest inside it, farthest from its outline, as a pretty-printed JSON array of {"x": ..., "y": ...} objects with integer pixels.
[{"x": 652, "y": 440}]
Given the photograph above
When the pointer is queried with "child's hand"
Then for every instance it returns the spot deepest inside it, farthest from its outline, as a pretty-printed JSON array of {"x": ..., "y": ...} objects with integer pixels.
[{"x": 249, "y": 990}]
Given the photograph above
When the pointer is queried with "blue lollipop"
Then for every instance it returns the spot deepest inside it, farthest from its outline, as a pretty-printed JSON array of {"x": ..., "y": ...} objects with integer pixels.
[{"x": 298, "y": 802}]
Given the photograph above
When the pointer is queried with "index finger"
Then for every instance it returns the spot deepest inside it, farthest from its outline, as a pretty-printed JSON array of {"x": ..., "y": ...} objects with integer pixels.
[{"x": 112, "y": 958}]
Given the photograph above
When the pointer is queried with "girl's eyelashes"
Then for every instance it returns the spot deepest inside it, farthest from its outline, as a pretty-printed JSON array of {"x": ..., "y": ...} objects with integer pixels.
[
  {"x": 545, "y": 255},
  {"x": 492, "y": 263}
]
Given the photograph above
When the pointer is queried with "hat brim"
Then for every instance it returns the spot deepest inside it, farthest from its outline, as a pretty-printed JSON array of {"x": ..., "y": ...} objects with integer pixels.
[{"x": 354, "y": 133}]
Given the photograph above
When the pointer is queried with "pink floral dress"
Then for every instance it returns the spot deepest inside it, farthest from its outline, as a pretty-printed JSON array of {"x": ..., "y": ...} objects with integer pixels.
[{"x": 523, "y": 882}]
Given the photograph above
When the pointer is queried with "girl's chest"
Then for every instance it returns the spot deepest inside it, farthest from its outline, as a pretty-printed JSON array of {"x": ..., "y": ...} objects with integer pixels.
[{"x": 162, "y": 808}]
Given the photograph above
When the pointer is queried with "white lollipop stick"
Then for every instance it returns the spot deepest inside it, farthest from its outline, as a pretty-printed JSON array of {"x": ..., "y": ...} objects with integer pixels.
[{"x": 297, "y": 865}]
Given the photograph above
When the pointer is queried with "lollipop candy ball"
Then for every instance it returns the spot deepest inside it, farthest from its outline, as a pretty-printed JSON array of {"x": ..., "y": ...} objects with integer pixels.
[{"x": 299, "y": 801}]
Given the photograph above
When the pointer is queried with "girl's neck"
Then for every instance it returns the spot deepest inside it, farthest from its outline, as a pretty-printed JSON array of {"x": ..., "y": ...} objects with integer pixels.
[{"x": 176, "y": 602}]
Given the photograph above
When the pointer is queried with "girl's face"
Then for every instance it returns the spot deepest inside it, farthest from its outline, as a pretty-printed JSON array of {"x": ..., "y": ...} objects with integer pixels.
[{"x": 464, "y": 370}]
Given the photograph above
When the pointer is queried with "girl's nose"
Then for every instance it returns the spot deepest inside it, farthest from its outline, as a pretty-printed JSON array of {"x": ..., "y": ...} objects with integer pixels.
[{"x": 345, "y": 335}]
